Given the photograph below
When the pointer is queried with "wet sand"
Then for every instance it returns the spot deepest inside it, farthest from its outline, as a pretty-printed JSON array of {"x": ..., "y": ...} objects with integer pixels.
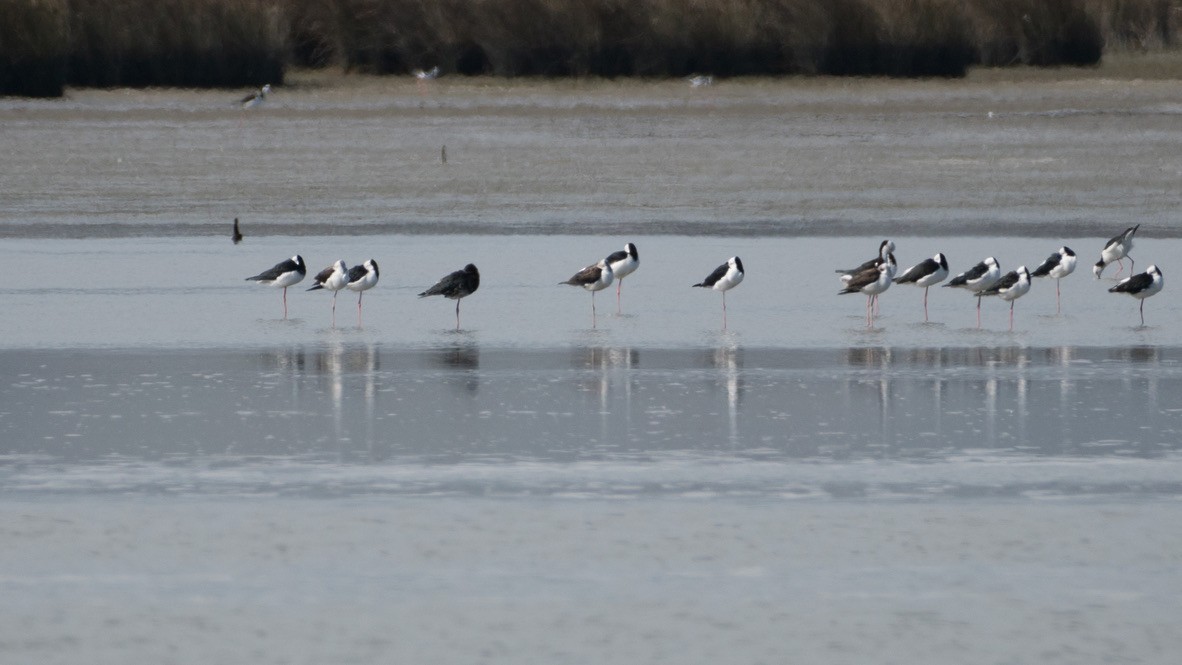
[{"x": 1001, "y": 154}]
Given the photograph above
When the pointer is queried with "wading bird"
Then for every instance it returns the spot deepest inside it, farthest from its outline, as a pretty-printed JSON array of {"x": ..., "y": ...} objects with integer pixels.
[
  {"x": 1058, "y": 265},
  {"x": 332, "y": 278},
  {"x": 871, "y": 281},
  {"x": 1116, "y": 249},
  {"x": 360, "y": 279},
  {"x": 1141, "y": 286},
  {"x": 283, "y": 275},
  {"x": 724, "y": 278},
  {"x": 457, "y": 286},
  {"x": 623, "y": 263},
  {"x": 926, "y": 273},
  {"x": 595, "y": 277},
  {"x": 1011, "y": 286},
  {"x": 978, "y": 278}
]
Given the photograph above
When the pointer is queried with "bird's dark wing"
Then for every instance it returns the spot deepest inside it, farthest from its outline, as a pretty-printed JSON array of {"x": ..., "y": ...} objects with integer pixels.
[
  {"x": 713, "y": 278},
  {"x": 1134, "y": 284},
  {"x": 1047, "y": 266},
  {"x": 872, "y": 263},
  {"x": 356, "y": 273},
  {"x": 275, "y": 271},
  {"x": 617, "y": 256},
  {"x": 1007, "y": 280},
  {"x": 860, "y": 280},
  {"x": 446, "y": 287},
  {"x": 588, "y": 275},
  {"x": 915, "y": 272},
  {"x": 972, "y": 273}
]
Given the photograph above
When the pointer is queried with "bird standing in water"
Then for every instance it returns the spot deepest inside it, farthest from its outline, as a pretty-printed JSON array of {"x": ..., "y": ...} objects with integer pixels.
[{"x": 457, "y": 286}]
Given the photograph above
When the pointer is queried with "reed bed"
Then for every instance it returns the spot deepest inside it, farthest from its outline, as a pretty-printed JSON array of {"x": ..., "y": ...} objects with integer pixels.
[{"x": 46, "y": 44}]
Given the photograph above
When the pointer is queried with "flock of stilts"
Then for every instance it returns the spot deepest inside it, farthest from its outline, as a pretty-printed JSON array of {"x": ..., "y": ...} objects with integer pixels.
[
  {"x": 985, "y": 279},
  {"x": 871, "y": 278}
]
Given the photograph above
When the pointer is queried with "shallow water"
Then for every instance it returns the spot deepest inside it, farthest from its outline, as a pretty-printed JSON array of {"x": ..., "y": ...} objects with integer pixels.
[{"x": 189, "y": 477}]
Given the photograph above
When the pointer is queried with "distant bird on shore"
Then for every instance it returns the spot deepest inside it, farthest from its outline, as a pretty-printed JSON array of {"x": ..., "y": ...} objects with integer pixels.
[
  {"x": 255, "y": 98},
  {"x": 283, "y": 275},
  {"x": 427, "y": 75},
  {"x": 700, "y": 80},
  {"x": 1116, "y": 249},
  {"x": 360, "y": 279},
  {"x": 1057, "y": 265},
  {"x": 595, "y": 277},
  {"x": 1141, "y": 286},
  {"x": 456, "y": 286},
  {"x": 236, "y": 236},
  {"x": 724, "y": 278},
  {"x": 1011, "y": 286},
  {"x": 332, "y": 278},
  {"x": 623, "y": 263},
  {"x": 885, "y": 248},
  {"x": 871, "y": 281},
  {"x": 926, "y": 273},
  {"x": 978, "y": 278}
]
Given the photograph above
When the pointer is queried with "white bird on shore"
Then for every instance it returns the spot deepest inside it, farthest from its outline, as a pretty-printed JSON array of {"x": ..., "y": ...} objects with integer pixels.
[
  {"x": 427, "y": 75},
  {"x": 255, "y": 98}
]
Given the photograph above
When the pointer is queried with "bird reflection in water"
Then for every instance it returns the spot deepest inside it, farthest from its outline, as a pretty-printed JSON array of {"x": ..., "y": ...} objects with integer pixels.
[
  {"x": 461, "y": 362},
  {"x": 609, "y": 378},
  {"x": 728, "y": 360}
]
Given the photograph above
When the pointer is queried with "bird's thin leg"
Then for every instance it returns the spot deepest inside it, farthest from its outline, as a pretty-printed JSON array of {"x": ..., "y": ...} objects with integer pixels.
[
  {"x": 457, "y": 313},
  {"x": 334, "y": 309},
  {"x": 619, "y": 285},
  {"x": 592, "y": 309},
  {"x": 1058, "y": 303},
  {"x": 978, "y": 311},
  {"x": 285, "y": 302},
  {"x": 359, "y": 308},
  {"x": 1142, "y": 312},
  {"x": 1011, "y": 316},
  {"x": 925, "y": 304}
]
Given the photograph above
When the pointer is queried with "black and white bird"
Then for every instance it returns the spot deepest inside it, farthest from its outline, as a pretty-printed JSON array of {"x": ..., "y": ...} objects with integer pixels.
[
  {"x": 623, "y": 263},
  {"x": 926, "y": 273},
  {"x": 724, "y": 278},
  {"x": 1058, "y": 265},
  {"x": 360, "y": 279},
  {"x": 872, "y": 281},
  {"x": 457, "y": 286},
  {"x": 1141, "y": 286},
  {"x": 255, "y": 98},
  {"x": 332, "y": 278},
  {"x": 885, "y": 249},
  {"x": 428, "y": 74},
  {"x": 236, "y": 234},
  {"x": 595, "y": 277},
  {"x": 1116, "y": 249},
  {"x": 283, "y": 275},
  {"x": 1011, "y": 286},
  {"x": 978, "y": 278}
]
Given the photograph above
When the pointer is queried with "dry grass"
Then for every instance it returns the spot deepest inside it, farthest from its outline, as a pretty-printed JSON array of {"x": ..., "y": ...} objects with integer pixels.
[{"x": 46, "y": 43}]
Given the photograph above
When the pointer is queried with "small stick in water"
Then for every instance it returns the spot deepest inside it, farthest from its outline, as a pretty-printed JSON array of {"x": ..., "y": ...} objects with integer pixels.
[
  {"x": 443, "y": 154},
  {"x": 237, "y": 235}
]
